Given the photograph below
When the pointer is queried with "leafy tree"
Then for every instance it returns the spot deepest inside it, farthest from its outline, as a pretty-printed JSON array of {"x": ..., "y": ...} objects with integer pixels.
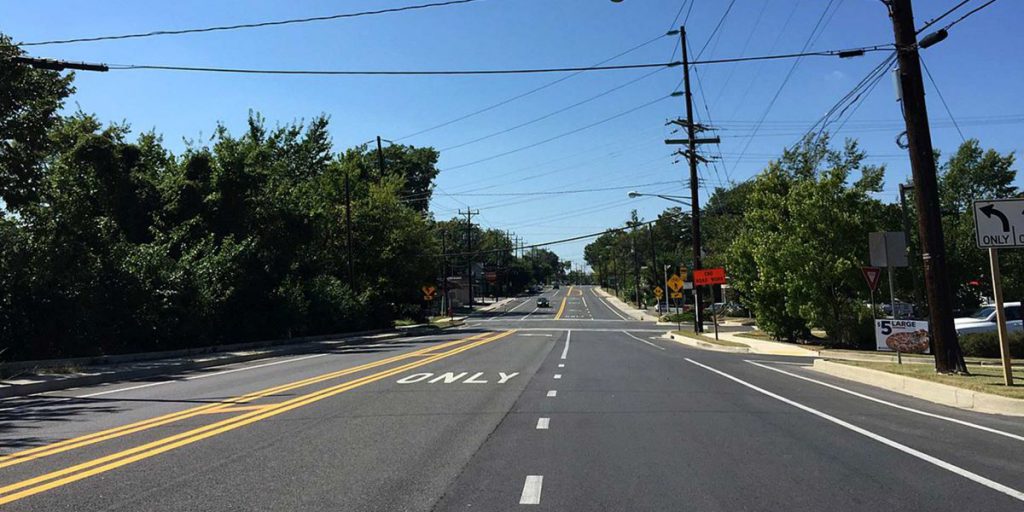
[
  {"x": 30, "y": 101},
  {"x": 803, "y": 239}
]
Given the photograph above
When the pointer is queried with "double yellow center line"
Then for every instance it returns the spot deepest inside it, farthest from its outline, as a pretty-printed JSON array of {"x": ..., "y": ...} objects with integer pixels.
[
  {"x": 93, "y": 467},
  {"x": 561, "y": 309}
]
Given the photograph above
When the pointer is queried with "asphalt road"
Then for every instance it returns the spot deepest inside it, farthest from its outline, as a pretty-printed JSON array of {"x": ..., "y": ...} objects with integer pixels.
[{"x": 563, "y": 408}]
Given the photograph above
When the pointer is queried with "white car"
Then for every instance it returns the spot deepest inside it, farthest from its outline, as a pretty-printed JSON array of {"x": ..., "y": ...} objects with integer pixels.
[{"x": 984, "y": 320}]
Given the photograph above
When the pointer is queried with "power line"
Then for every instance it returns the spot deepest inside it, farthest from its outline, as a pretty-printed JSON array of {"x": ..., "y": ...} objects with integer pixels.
[
  {"x": 555, "y": 242},
  {"x": 942, "y": 99},
  {"x": 715, "y": 31},
  {"x": 560, "y": 192},
  {"x": 248, "y": 25},
  {"x": 554, "y": 113},
  {"x": 527, "y": 93},
  {"x": 785, "y": 80},
  {"x": 453, "y": 72},
  {"x": 939, "y": 17},
  {"x": 969, "y": 13},
  {"x": 559, "y": 136},
  {"x": 520, "y": 71}
]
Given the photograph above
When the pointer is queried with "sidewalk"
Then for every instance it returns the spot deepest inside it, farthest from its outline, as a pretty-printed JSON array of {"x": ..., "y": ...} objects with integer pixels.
[
  {"x": 775, "y": 348},
  {"x": 622, "y": 307}
]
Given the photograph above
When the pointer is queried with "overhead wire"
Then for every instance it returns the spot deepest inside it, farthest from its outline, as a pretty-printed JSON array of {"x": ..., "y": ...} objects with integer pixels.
[
  {"x": 239, "y": 26},
  {"x": 941, "y": 16},
  {"x": 968, "y": 14},
  {"x": 559, "y": 136},
  {"x": 942, "y": 99},
  {"x": 527, "y": 93},
  {"x": 554, "y": 113},
  {"x": 788, "y": 76}
]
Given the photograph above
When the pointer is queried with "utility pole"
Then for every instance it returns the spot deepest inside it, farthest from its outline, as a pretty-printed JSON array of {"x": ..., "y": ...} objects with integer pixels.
[
  {"x": 445, "y": 300},
  {"x": 636, "y": 266},
  {"x": 348, "y": 230},
  {"x": 691, "y": 155},
  {"x": 380, "y": 157},
  {"x": 949, "y": 357},
  {"x": 469, "y": 213},
  {"x": 654, "y": 255}
]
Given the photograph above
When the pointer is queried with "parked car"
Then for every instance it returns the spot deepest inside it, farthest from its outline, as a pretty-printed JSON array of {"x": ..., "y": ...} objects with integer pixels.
[
  {"x": 984, "y": 320},
  {"x": 542, "y": 302}
]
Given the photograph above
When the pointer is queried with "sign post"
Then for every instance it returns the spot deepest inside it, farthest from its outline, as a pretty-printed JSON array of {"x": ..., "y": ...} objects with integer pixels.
[
  {"x": 999, "y": 223},
  {"x": 889, "y": 249},
  {"x": 709, "y": 277}
]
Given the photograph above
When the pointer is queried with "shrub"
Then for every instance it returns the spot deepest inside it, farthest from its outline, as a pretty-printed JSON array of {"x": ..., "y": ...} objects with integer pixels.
[
  {"x": 986, "y": 344},
  {"x": 686, "y": 316}
]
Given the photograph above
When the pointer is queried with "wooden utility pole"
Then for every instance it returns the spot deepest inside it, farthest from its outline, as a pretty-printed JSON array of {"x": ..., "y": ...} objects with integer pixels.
[
  {"x": 948, "y": 356},
  {"x": 692, "y": 157},
  {"x": 348, "y": 232},
  {"x": 380, "y": 157},
  {"x": 469, "y": 213}
]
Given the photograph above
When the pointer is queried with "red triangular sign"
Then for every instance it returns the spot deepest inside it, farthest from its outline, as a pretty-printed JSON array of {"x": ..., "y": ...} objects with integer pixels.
[{"x": 872, "y": 275}]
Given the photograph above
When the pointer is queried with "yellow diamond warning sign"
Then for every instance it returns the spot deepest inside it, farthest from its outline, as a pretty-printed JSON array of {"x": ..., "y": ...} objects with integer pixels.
[
  {"x": 675, "y": 283},
  {"x": 658, "y": 292}
]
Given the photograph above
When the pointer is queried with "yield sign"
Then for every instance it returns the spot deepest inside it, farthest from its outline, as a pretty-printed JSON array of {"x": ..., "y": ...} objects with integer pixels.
[
  {"x": 675, "y": 283},
  {"x": 872, "y": 275}
]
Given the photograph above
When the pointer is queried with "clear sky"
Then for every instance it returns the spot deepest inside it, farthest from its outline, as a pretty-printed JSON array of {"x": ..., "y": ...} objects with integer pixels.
[{"x": 978, "y": 70}]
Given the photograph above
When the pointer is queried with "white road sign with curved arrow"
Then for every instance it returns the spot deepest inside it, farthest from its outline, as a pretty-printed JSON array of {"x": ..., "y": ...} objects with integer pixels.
[{"x": 999, "y": 223}]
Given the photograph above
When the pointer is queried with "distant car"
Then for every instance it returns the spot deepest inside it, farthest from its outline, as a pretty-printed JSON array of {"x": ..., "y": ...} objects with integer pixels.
[
  {"x": 543, "y": 303},
  {"x": 984, "y": 320},
  {"x": 555, "y": 286}
]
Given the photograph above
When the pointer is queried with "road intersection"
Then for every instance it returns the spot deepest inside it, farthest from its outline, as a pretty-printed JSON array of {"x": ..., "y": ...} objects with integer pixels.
[{"x": 571, "y": 407}]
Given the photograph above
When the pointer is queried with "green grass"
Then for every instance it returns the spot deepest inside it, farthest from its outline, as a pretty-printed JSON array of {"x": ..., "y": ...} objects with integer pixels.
[
  {"x": 761, "y": 335},
  {"x": 404, "y": 322},
  {"x": 710, "y": 339},
  {"x": 986, "y": 379}
]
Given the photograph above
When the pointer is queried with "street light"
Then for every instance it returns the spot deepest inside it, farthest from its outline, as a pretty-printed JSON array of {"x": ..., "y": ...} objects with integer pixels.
[
  {"x": 675, "y": 199},
  {"x": 681, "y": 200}
]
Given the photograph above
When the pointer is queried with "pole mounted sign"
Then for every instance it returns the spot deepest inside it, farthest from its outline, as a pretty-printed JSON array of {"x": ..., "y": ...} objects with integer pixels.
[
  {"x": 658, "y": 292},
  {"x": 999, "y": 223},
  {"x": 675, "y": 283},
  {"x": 709, "y": 276},
  {"x": 872, "y": 275},
  {"x": 428, "y": 292}
]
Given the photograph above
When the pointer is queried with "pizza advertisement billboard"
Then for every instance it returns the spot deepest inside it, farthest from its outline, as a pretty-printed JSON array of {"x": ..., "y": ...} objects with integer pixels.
[{"x": 906, "y": 336}]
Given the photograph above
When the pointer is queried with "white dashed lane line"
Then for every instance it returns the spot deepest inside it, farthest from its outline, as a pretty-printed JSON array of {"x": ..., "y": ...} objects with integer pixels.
[
  {"x": 553, "y": 393},
  {"x": 542, "y": 423},
  {"x": 558, "y": 375},
  {"x": 531, "y": 490}
]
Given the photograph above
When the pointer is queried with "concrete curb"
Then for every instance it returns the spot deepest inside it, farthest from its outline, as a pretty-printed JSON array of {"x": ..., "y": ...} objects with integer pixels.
[
  {"x": 703, "y": 345},
  {"x": 943, "y": 394},
  {"x": 275, "y": 348},
  {"x": 617, "y": 304}
]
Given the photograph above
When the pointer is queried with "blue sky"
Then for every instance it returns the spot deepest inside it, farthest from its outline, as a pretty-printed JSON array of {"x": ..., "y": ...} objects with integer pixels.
[{"x": 977, "y": 69}]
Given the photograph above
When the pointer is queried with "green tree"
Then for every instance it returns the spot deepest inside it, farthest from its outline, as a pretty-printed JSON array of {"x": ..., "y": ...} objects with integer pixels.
[{"x": 803, "y": 238}]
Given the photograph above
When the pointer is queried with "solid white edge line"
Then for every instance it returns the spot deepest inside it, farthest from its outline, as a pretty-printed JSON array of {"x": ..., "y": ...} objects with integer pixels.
[
  {"x": 891, "y": 404},
  {"x": 552, "y": 393},
  {"x": 201, "y": 376},
  {"x": 543, "y": 423},
  {"x": 531, "y": 490},
  {"x": 565, "y": 351},
  {"x": 608, "y": 305},
  {"x": 643, "y": 341},
  {"x": 991, "y": 484}
]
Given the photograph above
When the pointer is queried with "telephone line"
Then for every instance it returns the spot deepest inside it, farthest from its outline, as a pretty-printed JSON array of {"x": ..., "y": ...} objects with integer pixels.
[{"x": 156, "y": 33}]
